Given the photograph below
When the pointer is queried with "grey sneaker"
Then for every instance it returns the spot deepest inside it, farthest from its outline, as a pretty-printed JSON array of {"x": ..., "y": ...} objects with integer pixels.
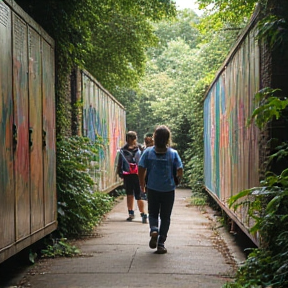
[
  {"x": 131, "y": 217},
  {"x": 153, "y": 240}
]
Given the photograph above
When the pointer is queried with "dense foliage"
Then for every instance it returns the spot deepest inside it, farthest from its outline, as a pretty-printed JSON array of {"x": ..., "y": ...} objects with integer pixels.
[
  {"x": 109, "y": 38},
  {"x": 226, "y": 14},
  {"x": 80, "y": 208}
]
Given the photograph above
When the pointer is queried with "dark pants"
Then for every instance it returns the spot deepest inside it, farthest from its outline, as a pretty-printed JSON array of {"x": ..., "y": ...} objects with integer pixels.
[
  {"x": 132, "y": 186},
  {"x": 160, "y": 203}
]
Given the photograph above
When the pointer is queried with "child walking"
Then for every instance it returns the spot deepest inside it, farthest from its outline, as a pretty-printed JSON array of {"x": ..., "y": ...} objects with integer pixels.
[
  {"x": 160, "y": 163},
  {"x": 127, "y": 169}
]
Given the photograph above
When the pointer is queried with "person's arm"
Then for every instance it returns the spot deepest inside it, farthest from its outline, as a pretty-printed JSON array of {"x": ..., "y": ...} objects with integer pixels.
[
  {"x": 141, "y": 175},
  {"x": 179, "y": 173},
  {"x": 179, "y": 165},
  {"x": 142, "y": 170},
  {"x": 119, "y": 166}
]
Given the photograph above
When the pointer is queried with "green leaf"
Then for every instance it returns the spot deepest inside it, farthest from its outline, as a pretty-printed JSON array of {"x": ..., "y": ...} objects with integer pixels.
[{"x": 238, "y": 196}]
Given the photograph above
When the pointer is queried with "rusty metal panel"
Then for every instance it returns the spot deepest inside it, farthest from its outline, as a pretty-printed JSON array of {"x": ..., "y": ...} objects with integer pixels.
[
  {"x": 231, "y": 148},
  {"x": 23, "y": 87},
  {"x": 105, "y": 117},
  {"x": 35, "y": 131},
  {"x": 21, "y": 129},
  {"x": 7, "y": 217},
  {"x": 48, "y": 133}
]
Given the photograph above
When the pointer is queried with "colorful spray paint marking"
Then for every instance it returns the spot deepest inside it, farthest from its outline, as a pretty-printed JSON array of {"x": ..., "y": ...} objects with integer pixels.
[
  {"x": 28, "y": 206},
  {"x": 103, "y": 117},
  {"x": 231, "y": 161}
]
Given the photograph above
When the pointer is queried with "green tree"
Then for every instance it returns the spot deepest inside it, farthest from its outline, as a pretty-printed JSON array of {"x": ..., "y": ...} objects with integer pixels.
[
  {"x": 182, "y": 26},
  {"x": 226, "y": 14},
  {"x": 108, "y": 38},
  {"x": 154, "y": 83}
]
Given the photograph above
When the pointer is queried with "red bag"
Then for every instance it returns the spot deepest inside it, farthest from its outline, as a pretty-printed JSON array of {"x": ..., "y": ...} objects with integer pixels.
[{"x": 133, "y": 168}]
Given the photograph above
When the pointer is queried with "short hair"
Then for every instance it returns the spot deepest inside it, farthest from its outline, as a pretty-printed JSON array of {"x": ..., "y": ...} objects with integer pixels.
[
  {"x": 162, "y": 136},
  {"x": 148, "y": 134},
  {"x": 131, "y": 135},
  {"x": 148, "y": 139}
]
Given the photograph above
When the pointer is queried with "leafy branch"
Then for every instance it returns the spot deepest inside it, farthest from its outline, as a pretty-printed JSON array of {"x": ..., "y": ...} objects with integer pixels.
[
  {"x": 273, "y": 30},
  {"x": 269, "y": 107}
]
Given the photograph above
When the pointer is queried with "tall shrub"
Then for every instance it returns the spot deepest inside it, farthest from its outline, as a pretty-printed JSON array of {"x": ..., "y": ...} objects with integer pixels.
[{"x": 79, "y": 207}]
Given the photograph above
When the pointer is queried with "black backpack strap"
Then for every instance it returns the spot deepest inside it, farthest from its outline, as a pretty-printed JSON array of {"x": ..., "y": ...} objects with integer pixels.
[{"x": 122, "y": 153}]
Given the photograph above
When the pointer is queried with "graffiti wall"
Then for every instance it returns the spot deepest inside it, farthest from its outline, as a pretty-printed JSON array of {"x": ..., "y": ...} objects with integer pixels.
[
  {"x": 28, "y": 208},
  {"x": 103, "y": 118},
  {"x": 231, "y": 146}
]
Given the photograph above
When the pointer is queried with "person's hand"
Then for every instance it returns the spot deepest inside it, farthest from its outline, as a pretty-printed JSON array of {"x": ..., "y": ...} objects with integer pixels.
[
  {"x": 143, "y": 188},
  {"x": 143, "y": 195}
]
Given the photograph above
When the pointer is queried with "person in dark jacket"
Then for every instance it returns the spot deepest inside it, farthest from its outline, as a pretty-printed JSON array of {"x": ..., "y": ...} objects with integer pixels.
[{"x": 127, "y": 169}]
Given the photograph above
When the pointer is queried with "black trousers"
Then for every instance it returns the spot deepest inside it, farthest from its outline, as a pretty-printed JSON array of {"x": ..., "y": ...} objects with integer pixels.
[{"x": 160, "y": 204}]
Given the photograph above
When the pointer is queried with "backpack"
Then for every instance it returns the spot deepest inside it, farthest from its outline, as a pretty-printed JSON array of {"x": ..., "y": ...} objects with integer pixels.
[{"x": 129, "y": 167}]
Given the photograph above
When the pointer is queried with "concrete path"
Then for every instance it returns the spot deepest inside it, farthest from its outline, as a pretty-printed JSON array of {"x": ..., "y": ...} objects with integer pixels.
[{"x": 119, "y": 255}]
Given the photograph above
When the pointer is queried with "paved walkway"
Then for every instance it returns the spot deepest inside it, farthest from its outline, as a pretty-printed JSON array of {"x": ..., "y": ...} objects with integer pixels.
[{"x": 119, "y": 256}]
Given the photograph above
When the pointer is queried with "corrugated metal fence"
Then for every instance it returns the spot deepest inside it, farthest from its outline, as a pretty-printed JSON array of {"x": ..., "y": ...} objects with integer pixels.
[
  {"x": 231, "y": 147},
  {"x": 28, "y": 209},
  {"x": 105, "y": 117}
]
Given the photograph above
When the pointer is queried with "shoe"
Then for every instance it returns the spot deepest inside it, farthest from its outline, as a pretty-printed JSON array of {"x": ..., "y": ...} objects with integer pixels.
[
  {"x": 161, "y": 249},
  {"x": 144, "y": 218},
  {"x": 153, "y": 240},
  {"x": 130, "y": 218}
]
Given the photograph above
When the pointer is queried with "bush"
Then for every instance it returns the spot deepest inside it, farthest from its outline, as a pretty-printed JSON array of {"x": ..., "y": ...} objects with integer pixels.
[{"x": 79, "y": 207}]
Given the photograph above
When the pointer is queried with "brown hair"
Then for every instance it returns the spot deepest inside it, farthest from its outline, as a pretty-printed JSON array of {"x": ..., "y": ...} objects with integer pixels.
[
  {"x": 148, "y": 139},
  {"x": 131, "y": 135},
  {"x": 162, "y": 136}
]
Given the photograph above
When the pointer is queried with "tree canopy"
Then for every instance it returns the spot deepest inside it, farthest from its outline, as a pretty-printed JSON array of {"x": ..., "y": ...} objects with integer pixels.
[
  {"x": 109, "y": 38},
  {"x": 222, "y": 13}
]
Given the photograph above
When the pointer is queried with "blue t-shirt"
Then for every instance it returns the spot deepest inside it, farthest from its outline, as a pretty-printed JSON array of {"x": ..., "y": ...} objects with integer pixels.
[{"x": 160, "y": 167}]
